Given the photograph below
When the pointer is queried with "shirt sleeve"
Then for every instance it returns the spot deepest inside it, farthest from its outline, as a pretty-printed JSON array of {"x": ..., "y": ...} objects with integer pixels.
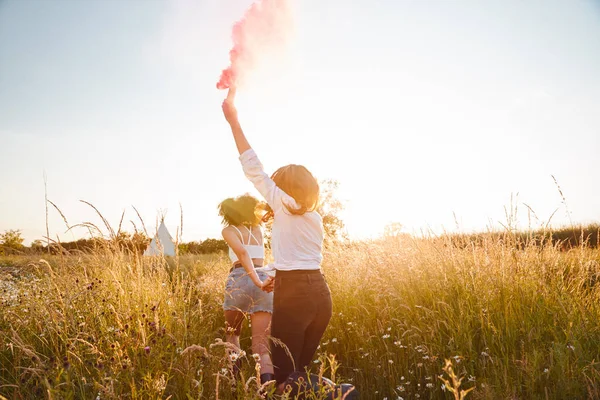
[{"x": 253, "y": 169}]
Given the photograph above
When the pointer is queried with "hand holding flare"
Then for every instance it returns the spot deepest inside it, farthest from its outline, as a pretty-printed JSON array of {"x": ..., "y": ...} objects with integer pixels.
[{"x": 229, "y": 110}]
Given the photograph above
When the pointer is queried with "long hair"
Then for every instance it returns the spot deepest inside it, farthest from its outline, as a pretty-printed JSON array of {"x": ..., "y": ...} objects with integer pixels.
[
  {"x": 241, "y": 210},
  {"x": 301, "y": 185}
]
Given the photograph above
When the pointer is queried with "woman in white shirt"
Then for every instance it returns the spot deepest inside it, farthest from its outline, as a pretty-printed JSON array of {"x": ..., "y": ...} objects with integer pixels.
[
  {"x": 243, "y": 294},
  {"x": 302, "y": 301}
]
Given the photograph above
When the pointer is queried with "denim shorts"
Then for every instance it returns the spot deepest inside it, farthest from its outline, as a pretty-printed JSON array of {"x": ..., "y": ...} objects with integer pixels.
[{"x": 241, "y": 294}]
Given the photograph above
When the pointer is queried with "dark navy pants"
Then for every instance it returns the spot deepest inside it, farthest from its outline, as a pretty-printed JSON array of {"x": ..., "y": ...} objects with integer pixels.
[{"x": 301, "y": 312}]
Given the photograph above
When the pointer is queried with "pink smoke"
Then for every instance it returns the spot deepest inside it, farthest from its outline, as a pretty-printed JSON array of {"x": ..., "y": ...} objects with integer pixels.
[{"x": 263, "y": 29}]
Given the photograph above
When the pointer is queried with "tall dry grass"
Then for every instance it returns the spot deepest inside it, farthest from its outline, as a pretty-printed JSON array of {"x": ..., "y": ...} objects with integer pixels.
[{"x": 516, "y": 322}]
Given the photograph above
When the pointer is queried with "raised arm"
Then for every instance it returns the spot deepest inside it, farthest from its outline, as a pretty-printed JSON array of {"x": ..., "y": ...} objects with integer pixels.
[
  {"x": 231, "y": 116},
  {"x": 251, "y": 164}
]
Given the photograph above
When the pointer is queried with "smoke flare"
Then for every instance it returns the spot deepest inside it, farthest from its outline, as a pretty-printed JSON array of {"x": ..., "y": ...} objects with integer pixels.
[{"x": 263, "y": 29}]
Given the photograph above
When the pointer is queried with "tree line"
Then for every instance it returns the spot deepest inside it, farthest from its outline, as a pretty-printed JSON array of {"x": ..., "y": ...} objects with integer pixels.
[{"x": 11, "y": 243}]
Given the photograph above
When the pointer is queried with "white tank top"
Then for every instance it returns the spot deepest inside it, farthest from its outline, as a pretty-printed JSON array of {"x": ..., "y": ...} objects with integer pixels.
[{"x": 254, "y": 250}]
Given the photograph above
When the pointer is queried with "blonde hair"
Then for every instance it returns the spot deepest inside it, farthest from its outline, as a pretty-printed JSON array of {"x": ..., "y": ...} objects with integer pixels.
[
  {"x": 301, "y": 185},
  {"x": 241, "y": 210}
]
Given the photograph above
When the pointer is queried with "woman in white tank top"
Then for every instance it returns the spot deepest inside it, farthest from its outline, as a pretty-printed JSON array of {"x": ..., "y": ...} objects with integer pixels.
[{"x": 243, "y": 290}]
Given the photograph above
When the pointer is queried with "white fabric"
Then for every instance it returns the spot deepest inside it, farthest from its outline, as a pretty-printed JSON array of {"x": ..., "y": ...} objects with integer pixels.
[
  {"x": 161, "y": 244},
  {"x": 254, "y": 250},
  {"x": 296, "y": 240}
]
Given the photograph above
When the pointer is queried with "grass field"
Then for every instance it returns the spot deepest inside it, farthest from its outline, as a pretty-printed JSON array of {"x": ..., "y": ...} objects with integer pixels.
[{"x": 516, "y": 322}]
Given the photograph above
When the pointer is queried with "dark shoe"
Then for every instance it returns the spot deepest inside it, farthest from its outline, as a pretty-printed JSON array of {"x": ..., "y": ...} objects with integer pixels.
[
  {"x": 346, "y": 391},
  {"x": 266, "y": 377}
]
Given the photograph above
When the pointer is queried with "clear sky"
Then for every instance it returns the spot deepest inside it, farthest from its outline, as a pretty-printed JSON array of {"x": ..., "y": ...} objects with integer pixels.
[{"x": 422, "y": 110}]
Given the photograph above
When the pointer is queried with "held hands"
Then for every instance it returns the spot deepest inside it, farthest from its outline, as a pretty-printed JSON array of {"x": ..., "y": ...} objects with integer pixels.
[
  {"x": 267, "y": 285},
  {"x": 229, "y": 110}
]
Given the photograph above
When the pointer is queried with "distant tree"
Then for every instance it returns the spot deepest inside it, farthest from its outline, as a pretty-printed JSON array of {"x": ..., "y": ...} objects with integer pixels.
[
  {"x": 183, "y": 248},
  {"x": 37, "y": 246},
  {"x": 11, "y": 241},
  {"x": 330, "y": 207},
  {"x": 136, "y": 242},
  {"x": 393, "y": 229},
  {"x": 208, "y": 246}
]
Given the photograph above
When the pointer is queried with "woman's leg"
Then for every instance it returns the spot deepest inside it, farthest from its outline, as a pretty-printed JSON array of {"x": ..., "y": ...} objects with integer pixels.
[
  {"x": 233, "y": 326},
  {"x": 292, "y": 313},
  {"x": 261, "y": 329},
  {"x": 314, "y": 332}
]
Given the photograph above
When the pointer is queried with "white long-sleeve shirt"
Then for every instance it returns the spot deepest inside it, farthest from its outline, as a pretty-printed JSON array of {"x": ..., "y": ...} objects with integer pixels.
[{"x": 296, "y": 240}]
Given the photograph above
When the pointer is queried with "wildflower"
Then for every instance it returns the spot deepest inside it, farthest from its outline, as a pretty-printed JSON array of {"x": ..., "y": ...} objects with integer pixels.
[
  {"x": 386, "y": 336},
  {"x": 546, "y": 370},
  {"x": 316, "y": 361},
  {"x": 443, "y": 387},
  {"x": 571, "y": 347},
  {"x": 419, "y": 365},
  {"x": 233, "y": 357},
  {"x": 483, "y": 354},
  {"x": 224, "y": 371},
  {"x": 397, "y": 343},
  {"x": 391, "y": 361},
  {"x": 400, "y": 388},
  {"x": 334, "y": 340},
  {"x": 471, "y": 378},
  {"x": 256, "y": 357},
  {"x": 429, "y": 385},
  {"x": 147, "y": 349}
]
